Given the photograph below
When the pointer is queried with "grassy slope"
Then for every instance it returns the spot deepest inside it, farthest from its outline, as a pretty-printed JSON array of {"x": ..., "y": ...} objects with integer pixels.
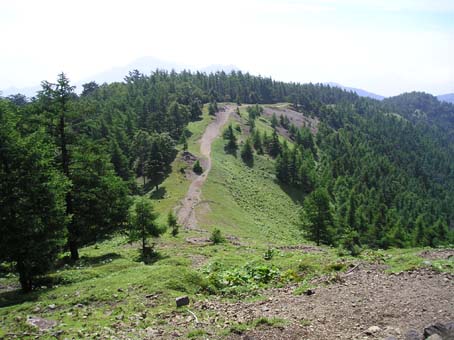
[{"x": 112, "y": 285}]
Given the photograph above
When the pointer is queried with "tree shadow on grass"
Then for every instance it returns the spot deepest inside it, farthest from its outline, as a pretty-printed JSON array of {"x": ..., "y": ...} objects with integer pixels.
[
  {"x": 150, "y": 257},
  {"x": 158, "y": 194},
  {"x": 89, "y": 261},
  {"x": 296, "y": 194},
  {"x": 17, "y": 296}
]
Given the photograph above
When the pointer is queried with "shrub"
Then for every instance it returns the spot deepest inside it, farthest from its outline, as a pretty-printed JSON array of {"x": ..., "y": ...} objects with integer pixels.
[
  {"x": 197, "y": 168},
  {"x": 216, "y": 236}
]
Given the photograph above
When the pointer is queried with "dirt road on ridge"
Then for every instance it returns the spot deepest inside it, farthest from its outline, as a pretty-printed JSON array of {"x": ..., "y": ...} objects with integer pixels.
[{"x": 186, "y": 213}]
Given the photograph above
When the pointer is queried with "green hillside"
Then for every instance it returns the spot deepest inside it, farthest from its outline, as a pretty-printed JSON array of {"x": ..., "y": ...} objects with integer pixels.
[{"x": 307, "y": 185}]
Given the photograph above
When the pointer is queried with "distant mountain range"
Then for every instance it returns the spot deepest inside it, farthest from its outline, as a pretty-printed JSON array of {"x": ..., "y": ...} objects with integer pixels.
[
  {"x": 449, "y": 97},
  {"x": 148, "y": 64},
  {"x": 359, "y": 92},
  {"x": 145, "y": 65}
]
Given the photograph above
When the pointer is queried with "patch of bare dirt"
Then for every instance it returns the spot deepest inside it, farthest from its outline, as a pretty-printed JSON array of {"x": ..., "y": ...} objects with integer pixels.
[
  {"x": 438, "y": 254},
  {"x": 297, "y": 118},
  {"x": 186, "y": 212},
  {"x": 303, "y": 248},
  {"x": 200, "y": 241},
  {"x": 365, "y": 304}
]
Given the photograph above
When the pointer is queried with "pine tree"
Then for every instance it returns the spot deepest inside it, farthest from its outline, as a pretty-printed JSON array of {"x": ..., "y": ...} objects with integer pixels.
[
  {"x": 173, "y": 224},
  {"x": 32, "y": 201},
  {"x": 257, "y": 141},
  {"x": 317, "y": 219},
  {"x": 229, "y": 134},
  {"x": 197, "y": 168},
  {"x": 143, "y": 224},
  {"x": 247, "y": 152},
  {"x": 274, "y": 121},
  {"x": 274, "y": 146}
]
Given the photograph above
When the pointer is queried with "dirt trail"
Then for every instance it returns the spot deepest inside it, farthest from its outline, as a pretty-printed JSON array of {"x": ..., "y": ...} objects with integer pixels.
[{"x": 186, "y": 213}]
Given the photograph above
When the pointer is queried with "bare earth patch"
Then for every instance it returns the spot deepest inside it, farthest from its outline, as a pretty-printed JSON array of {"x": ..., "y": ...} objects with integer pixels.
[
  {"x": 438, "y": 254},
  {"x": 366, "y": 299},
  {"x": 297, "y": 118}
]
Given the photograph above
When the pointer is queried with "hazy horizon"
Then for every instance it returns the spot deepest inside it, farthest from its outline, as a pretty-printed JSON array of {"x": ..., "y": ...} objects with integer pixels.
[{"x": 385, "y": 47}]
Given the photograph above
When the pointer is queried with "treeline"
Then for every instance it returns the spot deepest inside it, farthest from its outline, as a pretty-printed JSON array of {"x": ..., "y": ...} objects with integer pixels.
[{"x": 69, "y": 163}]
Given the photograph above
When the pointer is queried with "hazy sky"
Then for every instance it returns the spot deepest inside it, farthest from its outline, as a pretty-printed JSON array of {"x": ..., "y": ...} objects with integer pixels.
[{"x": 387, "y": 46}]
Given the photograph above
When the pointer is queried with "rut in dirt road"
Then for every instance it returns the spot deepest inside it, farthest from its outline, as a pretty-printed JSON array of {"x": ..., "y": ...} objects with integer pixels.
[{"x": 186, "y": 213}]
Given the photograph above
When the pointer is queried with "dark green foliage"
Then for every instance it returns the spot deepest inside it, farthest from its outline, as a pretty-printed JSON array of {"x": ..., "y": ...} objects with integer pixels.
[
  {"x": 119, "y": 161},
  {"x": 247, "y": 152},
  {"x": 183, "y": 141},
  {"x": 212, "y": 108},
  {"x": 99, "y": 198},
  {"x": 197, "y": 168},
  {"x": 274, "y": 121},
  {"x": 257, "y": 142},
  {"x": 32, "y": 200},
  {"x": 273, "y": 145},
  {"x": 143, "y": 223},
  {"x": 159, "y": 158},
  {"x": 173, "y": 224},
  {"x": 229, "y": 135},
  {"x": 216, "y": 236},
  {"x": 317, "y": 219}
]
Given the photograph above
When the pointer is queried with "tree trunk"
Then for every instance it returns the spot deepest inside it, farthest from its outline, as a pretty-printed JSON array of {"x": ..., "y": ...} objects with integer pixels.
[
  {"x": 143, "y": 245},
  {"x": 24, "y": 279}
]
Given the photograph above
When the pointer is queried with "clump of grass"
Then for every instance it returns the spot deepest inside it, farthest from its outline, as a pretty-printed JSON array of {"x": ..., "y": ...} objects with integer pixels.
[
  {"x": 240, "y": 328},
  {"x": 196, "y": 333}
]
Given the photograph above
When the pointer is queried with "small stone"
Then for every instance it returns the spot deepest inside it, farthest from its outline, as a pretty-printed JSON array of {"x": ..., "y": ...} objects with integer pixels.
[
  {"x": 434, "y": 337},
  {"x": 40, "y": 323},
  {"x": 372, "y": 330},
  {"x": 182, "y": 301},
  {"x": 36, "y": 309},
  {"x": 52, "y": 306}
]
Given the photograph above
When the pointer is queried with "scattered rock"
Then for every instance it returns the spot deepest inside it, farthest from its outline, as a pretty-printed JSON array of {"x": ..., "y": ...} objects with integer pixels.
[
  {"x": 52, "y": 306},
  {"x": 434, "y": 337},
  {"x": 182, "y": 301},
  {"x": 412, "y": 335},
  {"x": 40, "y": 323},
  {"x": 309, "y": 292},
  {"x": 440, "y": 330},
  {"x": 372, "y": 330}
]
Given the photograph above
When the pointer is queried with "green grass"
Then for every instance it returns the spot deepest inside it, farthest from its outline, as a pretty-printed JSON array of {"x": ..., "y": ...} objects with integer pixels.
[
  {"x": 109, "y": 291},
  {"x": 247, "y": 202}
]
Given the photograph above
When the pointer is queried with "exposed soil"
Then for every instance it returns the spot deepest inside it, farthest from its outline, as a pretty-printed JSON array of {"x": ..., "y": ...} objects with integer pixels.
[
  {"x": 438, "y": 254},
  {"x": 186, "y": 213},
  {"x": 366, "y": 297},
  {"x": 297, "y": 118}
]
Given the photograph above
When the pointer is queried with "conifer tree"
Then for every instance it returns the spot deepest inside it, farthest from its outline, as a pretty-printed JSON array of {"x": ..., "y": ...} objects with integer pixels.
[
  {"x": 247, "y": 152},
  {"x": 317, "y": 219},
  {"x": 32, "y": 201},
  {"x": 143, "y": 223}
]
